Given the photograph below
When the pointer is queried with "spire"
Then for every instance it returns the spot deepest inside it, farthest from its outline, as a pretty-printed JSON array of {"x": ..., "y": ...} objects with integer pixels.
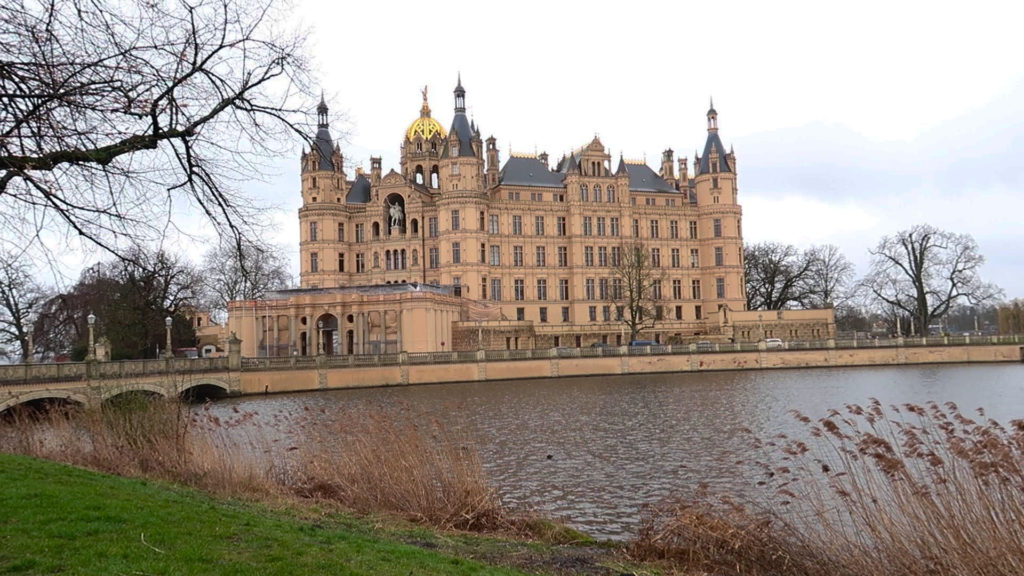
[
  {"x": 321, "y": 112},
  {"x": 460, "y": 96},
  {"x": 712, "y": 116},
  {"x": 622, "y": 166}
]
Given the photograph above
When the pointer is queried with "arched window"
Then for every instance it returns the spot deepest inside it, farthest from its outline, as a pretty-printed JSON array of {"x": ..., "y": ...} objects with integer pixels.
[
  {"x": 376, "y": 230},
  {"x": 611, "y": 194},
  {"x": 597, "y": 192},
  {"x": 419, "y": 146},
  {"x": 403, "y": 259},
  {"x": 387, "y": 259},
  {"x": 584, "y": 193},
  {"x": 414, "y": 226},
  {"x": 433, "y": 146},
  {"x": 434, "y": 177},
  {"x": 419, "y": 174}
]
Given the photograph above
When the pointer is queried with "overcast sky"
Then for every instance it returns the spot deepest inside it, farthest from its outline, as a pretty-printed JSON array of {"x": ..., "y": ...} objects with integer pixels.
[{"x": 849, "y": 123}]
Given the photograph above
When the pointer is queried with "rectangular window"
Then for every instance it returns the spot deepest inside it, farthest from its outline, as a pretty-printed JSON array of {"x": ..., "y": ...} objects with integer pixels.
[
  {"x": 543, "y": 314},
  {"x": 517, "y": 225},
  {"x": 720, "y": 287},
  {"x": 494, "y": 228},
  {"x": 679, "y": 312},
  {"x": 718, "y": 227},
  {"x": 616, "y": 256},
  {"x": 518, "y": 289},
  {"x": 483, "y": 287},
  {"x": 565, "y": 313},
  {"x": 542, "y": 257},
  {"x": 719, "y": 256},
  {"x": 614, "y": 225},
  {"x": 592, "y": 310},
  {"x": 588, "y": 255},
  {"x": 588, "y": 226},
  {"x": 606, "y": 314},
  {"x": 636, "y": 228},
  {"x": 673, "y": 229},
  {"x": 341, "y": 231},
  {"x": 456, "y": 223},
  {"x": 693, "y": 229},
  {"x": 616, "y": 288},
  {"x": 563, "y": 288},
  {"x": 496, "y": 289},
  {"x": 495, "y": 255},
  {"x": 619, "y": 311},
  {"x": 589, "y": 287},
  {"x": 561, "y": 226},
  {"x": 600, "y": 225},
  {"x": 538, "y": 225},
  {"x": 456, "y": 252},
  {"x": 656, "y": 290},
  {"x": 314, "y": 231},
  {"x": 697, "y": 312},
  {"x": 675, "y": 258},
  {"x": 677, "y": 289},
  {"x": 695, "y": 289},
  {"x": 341, "y": 261},
  {"x": 694, "y": 258},
  {"x": 659, "y": 312},
  {"x": 656, "y": 257},
  {"x": 602, "y": 256},
  {"x": 542, "y": 289},
  {"x": 435, "y": 258},
  {"x": 314, "y": 262},
  {"x": 482, "y": 220},
  {"x": 360, "y": 232},
  {"x": 654, "y": 228},
  {"x": 432, "y": 226},
  {"x": 602, "y": 288},
  {"x": 483, "y": 253},
  {"x": 563, "y": 256},
  {"x": 517, "y": 255}
]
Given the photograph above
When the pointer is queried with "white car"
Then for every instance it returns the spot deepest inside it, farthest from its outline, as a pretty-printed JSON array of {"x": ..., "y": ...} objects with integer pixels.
[{"x": 774, "y": 344}]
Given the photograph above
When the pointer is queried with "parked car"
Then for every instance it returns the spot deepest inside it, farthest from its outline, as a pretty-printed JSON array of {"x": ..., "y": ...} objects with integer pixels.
[
  {"x": 643, "y": 343},
  {"x": 774, "y": 344}
]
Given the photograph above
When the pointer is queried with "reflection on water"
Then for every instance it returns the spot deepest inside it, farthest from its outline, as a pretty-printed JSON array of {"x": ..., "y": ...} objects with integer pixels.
[{"x": 594, "y": 450}]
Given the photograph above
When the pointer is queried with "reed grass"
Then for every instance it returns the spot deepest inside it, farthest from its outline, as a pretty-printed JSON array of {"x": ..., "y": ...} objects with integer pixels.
[
  {"x": 381, "y": 463},
  {"x": 910, "y": 490}
]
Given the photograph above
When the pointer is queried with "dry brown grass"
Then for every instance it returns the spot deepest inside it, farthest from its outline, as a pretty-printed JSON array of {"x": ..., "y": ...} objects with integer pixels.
[
  {"x": 913, "y": 490},
  {"x": 380, "y": 464}
]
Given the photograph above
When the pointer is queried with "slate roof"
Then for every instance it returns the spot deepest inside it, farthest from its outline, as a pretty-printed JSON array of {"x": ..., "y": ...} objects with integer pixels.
[
  {"x": 325, "y": 146},
  {"x": 460, "y": 125},
  {"x": 519, "y": 171},
  {"x": 643, "y": 179},
  {"x": 713, "y": 143},
  {"x": 360, "y": 191}
]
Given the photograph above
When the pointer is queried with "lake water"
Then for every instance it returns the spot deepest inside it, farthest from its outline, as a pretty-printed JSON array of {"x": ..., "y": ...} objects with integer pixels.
[{"x": 594, "y": 450}]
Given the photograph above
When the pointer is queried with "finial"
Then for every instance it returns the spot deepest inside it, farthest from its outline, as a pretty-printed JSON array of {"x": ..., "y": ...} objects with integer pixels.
[
  {"x": 424, "y": 91},
  {"x": 711, "y": 102},
  {"x": 459, "y": 83}
]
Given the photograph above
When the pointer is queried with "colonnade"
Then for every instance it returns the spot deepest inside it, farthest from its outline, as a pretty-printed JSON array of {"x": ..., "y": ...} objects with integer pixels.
[{"x": 306, "y": 339}]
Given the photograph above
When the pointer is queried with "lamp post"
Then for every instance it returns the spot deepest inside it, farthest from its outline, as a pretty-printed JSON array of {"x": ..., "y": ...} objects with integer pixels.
[
  {"x": 320, "y": 337},
  {"x": 167, "y": 351},
  {"x": 91, "y": 319}
]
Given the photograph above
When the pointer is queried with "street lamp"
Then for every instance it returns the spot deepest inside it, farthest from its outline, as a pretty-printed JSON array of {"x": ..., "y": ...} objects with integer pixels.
[
  {"x": 320, "y": 336},
  {"x": 168, "y": 352},
  {"x": 91, "y": 319}
]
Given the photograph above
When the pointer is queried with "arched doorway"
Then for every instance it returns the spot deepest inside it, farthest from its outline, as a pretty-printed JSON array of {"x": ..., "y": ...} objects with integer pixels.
[{"x": 327, "y": 327}]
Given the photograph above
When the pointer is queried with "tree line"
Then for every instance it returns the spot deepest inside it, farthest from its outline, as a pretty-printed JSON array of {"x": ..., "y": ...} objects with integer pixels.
[
  {"x": 918, "y": 278},
  {"x": 129, "y": 298}
]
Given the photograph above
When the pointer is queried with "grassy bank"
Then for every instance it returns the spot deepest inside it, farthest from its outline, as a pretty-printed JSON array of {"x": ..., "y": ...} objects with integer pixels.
[{"x": 60, "y": 519}]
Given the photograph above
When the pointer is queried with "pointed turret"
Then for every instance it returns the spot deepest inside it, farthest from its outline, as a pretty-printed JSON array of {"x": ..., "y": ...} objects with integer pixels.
[
  {"x": 463, "y": 146},
  {"x": 322, "y": 152},
  {"x": 715, "y": 157},
  {"x": 622, "y": 166}
]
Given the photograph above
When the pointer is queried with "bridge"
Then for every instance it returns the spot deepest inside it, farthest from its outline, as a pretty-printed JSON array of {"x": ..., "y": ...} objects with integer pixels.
[{"x": 91, "y": 383}]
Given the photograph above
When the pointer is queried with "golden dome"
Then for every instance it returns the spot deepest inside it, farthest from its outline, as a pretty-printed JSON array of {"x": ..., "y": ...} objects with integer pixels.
[{"x": 425, "y": 126}]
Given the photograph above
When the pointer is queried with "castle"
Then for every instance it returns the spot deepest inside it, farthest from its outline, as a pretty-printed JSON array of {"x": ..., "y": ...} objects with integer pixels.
[{"x": 455, "y": 251}]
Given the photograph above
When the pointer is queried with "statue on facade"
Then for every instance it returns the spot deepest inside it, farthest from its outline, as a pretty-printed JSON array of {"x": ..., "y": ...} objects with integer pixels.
[{"x": 396, "y": 214}]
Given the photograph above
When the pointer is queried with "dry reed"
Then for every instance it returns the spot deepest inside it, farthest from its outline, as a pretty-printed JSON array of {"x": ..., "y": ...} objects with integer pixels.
[
  {"x": 382, "y": 463},
  {"x": 913, "y": 490}
]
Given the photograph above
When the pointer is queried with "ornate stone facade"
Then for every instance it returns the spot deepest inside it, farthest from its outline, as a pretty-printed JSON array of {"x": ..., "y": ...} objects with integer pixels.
[{"x": 527, "y": 248}]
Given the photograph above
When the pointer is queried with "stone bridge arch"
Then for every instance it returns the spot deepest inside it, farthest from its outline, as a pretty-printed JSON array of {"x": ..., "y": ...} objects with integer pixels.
[
  {"x": 152, "y": 388},
  {"x": 205, "y": 387},
  {"x": 33, "y": 395}
]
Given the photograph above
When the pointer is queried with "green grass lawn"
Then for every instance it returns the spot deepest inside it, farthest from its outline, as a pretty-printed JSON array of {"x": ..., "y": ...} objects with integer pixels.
[{"x": 55, "y": 519}]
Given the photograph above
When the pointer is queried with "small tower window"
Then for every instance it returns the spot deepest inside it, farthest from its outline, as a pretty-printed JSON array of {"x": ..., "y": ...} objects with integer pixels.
[{"x": 419, "y": 146}]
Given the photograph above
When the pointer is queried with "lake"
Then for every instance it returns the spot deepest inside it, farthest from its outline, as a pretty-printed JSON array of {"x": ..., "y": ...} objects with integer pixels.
[{"x": 594, "y": 450}]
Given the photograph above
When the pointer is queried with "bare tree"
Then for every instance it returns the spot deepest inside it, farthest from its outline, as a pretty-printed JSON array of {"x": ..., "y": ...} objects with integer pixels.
[
  {"x": 776, "y": 275},
  {"x": 924, "y": 271},
  {"x": 827, "y": 281},
  {"x": 114, "y": 112},
  {"x": 21, "y": 298},
  {"x": 246, "y": 274},
  {"x": 636, "y": 288}
]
